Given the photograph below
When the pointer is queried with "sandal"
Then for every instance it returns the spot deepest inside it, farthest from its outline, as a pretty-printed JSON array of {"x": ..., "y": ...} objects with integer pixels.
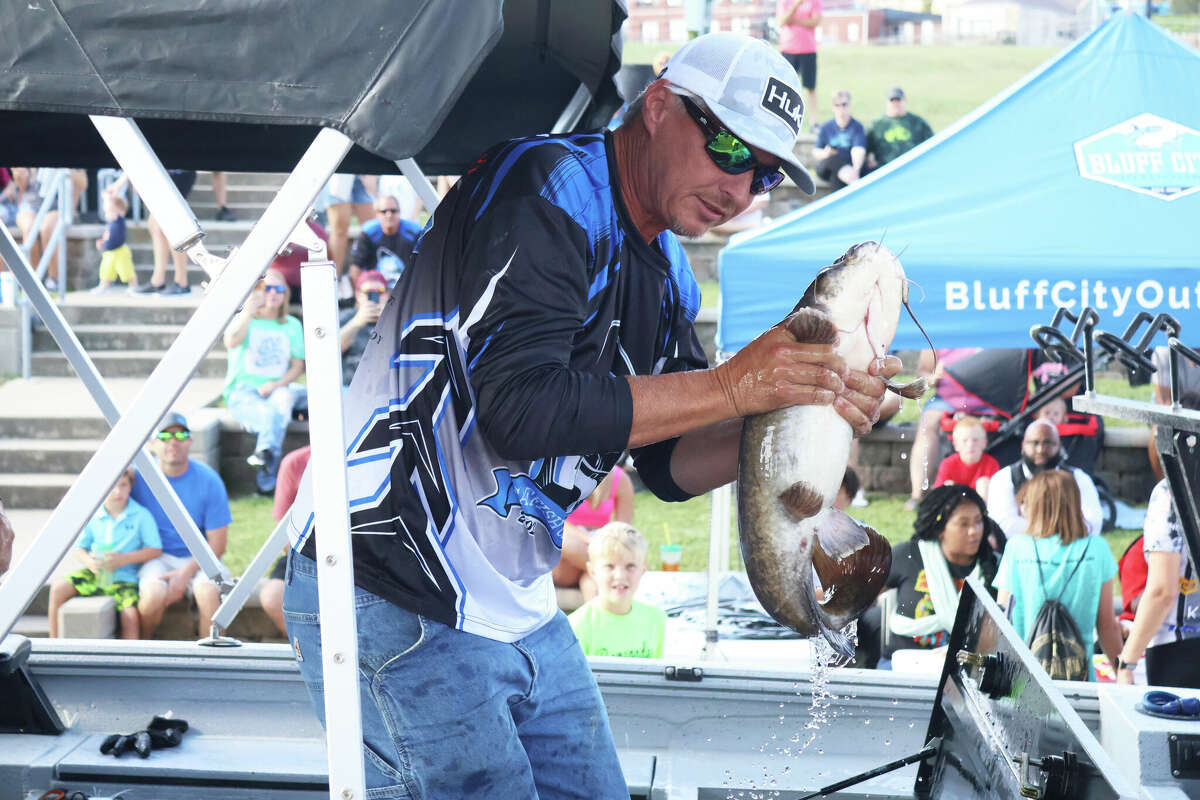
[{"x": 1169, "y": 706}]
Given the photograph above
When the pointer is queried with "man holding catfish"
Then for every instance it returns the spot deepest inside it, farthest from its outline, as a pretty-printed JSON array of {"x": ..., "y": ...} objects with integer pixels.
[{"x": 543, "y": 328}]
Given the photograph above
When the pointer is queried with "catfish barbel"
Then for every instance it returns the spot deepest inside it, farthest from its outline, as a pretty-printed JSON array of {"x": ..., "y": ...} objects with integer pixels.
[{"x": 791, "y": 461}]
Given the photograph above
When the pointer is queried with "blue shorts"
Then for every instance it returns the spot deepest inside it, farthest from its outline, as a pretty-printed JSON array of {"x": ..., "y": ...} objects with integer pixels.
[
  {"x": 343, "y": 188},
  {"x": 8, "y": 214},
  {"x": 448, "y": 714}
]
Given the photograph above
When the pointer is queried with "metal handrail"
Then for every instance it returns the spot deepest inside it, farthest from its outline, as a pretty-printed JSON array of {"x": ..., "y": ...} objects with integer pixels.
[{"x": 56, "y": 191}]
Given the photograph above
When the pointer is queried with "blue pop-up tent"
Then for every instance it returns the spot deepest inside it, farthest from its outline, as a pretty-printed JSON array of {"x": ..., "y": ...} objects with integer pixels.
[{"x": 1079, "y": 185}]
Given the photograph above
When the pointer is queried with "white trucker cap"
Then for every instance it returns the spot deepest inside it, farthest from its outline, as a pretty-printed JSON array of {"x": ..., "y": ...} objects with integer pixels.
[{"x": 751, "y": 88}]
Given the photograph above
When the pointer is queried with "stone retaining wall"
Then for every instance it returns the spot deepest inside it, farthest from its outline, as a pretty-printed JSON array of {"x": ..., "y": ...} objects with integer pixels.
[{"x": 1123, "y": 464}]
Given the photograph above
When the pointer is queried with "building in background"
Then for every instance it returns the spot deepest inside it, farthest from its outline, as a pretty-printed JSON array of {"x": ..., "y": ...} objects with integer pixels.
[
  {"x": 1019, "y": 22},
  {"x": 861, "y": 25}
]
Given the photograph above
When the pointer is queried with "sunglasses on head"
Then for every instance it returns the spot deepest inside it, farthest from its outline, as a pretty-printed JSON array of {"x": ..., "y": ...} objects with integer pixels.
[
  {"x": 730, "y": 153},
  {"x": 274, "y": 288},
  {"x": 179, "y": 436}
]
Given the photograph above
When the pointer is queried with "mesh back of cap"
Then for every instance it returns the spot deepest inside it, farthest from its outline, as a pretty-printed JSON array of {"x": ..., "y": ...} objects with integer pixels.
[{"x": 714, "y": 62}]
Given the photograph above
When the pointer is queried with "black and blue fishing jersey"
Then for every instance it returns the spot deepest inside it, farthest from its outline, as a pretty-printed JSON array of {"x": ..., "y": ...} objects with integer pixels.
[{"x": 492, "y": 397}]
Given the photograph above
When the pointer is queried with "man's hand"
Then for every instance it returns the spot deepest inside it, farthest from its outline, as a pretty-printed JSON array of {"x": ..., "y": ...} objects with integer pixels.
[
  {"x": 775, "y": 371},
  {"x": 368, "y": 313},
  {"x": 859, "y": 403},
  {"x": 266, "y": 389},
  {"x": 177, "y": 583},
  {"x": 255, "y": 302}
]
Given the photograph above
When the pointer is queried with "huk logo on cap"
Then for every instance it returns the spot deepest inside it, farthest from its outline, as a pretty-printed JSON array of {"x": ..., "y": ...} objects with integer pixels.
[{"x": 782, "y": 101}]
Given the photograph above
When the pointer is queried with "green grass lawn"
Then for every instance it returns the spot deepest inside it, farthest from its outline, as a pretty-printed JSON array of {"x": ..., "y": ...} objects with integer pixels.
[
  {"x": 978, "y": 73},
  {"x": 685, "y": 524}
]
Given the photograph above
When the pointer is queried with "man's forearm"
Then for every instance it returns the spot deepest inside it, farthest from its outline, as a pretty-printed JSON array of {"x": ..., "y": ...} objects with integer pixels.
[
  {"x": 665, "y": 406},
  {"x": 707, "y": 458}
]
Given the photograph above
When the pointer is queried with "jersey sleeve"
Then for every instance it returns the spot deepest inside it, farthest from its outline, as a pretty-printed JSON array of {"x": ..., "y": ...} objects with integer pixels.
[{"x": 530, "y": 302}]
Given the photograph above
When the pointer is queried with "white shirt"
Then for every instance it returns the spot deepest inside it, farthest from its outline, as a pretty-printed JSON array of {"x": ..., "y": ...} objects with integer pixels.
[
  {"x": 1002, "y": 503},
  {"x": 1164, "y": 534}
]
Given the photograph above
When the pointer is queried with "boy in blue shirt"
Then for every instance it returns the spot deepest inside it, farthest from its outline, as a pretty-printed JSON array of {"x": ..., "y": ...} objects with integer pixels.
[
  {"x": 841, "y": 149},
  {"x": 119, "y": 537}
]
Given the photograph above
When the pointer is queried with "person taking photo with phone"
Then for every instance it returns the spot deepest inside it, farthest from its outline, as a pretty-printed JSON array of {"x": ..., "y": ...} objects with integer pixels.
[{"x": 358, "y": 323}]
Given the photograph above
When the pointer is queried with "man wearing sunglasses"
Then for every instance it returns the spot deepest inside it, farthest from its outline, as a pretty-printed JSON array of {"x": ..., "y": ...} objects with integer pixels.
[
  {"x": 543, "y": 328},
  {"x": 841, "y": 145},
  {"x": 385, "y": 243},
  {"x": 168, "y": 578}
]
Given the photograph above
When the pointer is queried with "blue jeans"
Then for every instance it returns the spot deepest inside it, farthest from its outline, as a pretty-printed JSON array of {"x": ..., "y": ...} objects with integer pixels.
[
  {"x": 266, "y": 416},
  {"x": 447, "y": 714}
]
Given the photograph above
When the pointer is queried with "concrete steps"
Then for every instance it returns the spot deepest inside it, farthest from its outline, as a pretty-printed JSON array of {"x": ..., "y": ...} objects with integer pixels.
[
  {"x": 121, "y": 364},
  {"x": 34, "y": 489},
  {"x": 100, "y": 337},
  {"x": 47, "y": 456}
]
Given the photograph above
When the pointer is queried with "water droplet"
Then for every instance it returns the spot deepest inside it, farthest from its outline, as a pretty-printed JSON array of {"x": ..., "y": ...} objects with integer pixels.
[
  {"x": 866, "y": 721},
  {"x": 820, "y": 751},
  {"x": 911, "y": 724},
  {"x": 887, "y": 742},
  {"x": 891, "y": 718},
  {"x": 904, "y": 456},
  {"x": 787, "y": 770},
  {"x": 895, "y": 700}
]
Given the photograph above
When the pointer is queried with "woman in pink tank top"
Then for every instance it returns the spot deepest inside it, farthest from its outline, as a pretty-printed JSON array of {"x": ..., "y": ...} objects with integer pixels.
[{"x": 610, "y": 501}]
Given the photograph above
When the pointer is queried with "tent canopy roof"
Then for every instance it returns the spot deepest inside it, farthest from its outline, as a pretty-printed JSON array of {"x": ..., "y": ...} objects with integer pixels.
[{"x": 995, "y": 219}]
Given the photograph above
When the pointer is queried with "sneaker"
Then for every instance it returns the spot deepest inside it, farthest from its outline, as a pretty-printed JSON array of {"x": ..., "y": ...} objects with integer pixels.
[
  {"x": 259, "y": 459},
  {"x": 100, "y": 289},
  {"x": 225, "y": 215},
  {"x": 264, "y": 481},
  {"x": 860, "y": 500},
  {"x": 146, "y": 288},
  {"x": 51, "y": 285},
  {"x": 175, "y": 288}
]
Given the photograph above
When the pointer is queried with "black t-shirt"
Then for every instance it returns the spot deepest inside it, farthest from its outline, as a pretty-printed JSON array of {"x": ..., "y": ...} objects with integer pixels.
[{"x": 907, "y": 576}]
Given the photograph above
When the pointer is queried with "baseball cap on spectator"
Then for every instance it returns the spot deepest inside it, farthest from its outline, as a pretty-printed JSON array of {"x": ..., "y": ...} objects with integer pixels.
[
  {"x": 172, "y": 419},
  {"x": 369, "y": 275},
  {"x": 750, "y": 88},
  {"x": 895, "y": 93}
]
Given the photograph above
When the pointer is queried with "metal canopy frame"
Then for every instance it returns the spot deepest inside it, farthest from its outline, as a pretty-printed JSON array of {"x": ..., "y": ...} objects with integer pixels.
[{"x": 231, "y": 281}]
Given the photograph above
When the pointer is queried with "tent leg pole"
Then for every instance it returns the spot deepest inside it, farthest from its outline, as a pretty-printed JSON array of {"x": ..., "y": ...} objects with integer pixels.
[
  {"x": 574, "y": 110},
  {"x": 226, "y": 293},
  {"x": 335, "y": 559},
  {"x": 421, "y": 185},
  {"x": 53, "y": 319}
]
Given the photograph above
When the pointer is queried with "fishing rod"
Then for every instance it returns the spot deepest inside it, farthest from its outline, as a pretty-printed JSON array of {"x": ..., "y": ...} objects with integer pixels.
[{"x": 925, "y": 752}]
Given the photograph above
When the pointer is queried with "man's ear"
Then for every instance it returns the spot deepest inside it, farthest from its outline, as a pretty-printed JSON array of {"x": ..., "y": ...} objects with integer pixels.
[{"x": 657, "y": 105}]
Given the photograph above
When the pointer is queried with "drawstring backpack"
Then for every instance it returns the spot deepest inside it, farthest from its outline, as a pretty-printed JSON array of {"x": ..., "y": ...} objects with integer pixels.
[{"x": 1055, "y": 640}]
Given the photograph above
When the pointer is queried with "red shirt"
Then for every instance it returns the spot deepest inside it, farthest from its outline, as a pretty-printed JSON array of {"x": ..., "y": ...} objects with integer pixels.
[{"x": 953, "y": 469}]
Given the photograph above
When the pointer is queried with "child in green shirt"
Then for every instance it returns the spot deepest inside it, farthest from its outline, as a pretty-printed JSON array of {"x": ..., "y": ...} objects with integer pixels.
[{"x": 613, "y": 623}]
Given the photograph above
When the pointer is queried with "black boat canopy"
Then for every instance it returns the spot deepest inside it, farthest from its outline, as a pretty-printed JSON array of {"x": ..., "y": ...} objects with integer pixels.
[{"x": 438, "y": 80}]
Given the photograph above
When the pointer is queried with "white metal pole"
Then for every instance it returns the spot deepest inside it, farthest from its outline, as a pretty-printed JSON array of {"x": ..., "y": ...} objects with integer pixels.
[
  {"x": 421, "y": 185},
  {"x": 335, "y": 562},
  {"x": 159, "y": 486},
  {"x": 223, "y": 617},
  {"x": 226, "y": 293}
]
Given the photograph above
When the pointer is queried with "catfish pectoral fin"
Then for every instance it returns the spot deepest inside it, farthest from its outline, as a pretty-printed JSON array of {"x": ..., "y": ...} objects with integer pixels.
[
  {"x": 802, "y": 500},
  {"x": 914, "y": 390},
  {"x": 852, "y": 560},
  {"x": 811, "y": 326}
]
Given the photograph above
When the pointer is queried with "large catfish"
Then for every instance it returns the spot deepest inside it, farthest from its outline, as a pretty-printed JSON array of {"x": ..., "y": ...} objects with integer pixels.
[{"x": 792, "y": 461}]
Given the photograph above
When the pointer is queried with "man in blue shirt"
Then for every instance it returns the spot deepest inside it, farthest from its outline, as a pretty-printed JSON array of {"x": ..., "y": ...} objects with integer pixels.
[
  {"x": 841, "y": 147},
  {"x": 166, "y": 579}
]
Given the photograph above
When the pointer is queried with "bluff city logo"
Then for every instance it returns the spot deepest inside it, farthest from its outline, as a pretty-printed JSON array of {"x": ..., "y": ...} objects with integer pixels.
[
  {"x": 780, "y": 100},
  {"x": 1145, "y": 154}
]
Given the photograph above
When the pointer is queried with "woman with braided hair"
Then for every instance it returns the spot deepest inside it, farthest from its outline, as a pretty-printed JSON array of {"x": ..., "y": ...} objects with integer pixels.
[{"x": 949, "y": 542}]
